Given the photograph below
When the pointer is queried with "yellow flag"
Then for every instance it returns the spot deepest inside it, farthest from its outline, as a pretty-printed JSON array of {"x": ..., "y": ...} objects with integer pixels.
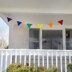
[
  {"x": 51, "y": 24},
  {"x": 40, "y": 25}
]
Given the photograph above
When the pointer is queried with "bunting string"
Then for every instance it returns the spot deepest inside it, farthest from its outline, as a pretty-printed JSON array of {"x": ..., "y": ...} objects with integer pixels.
[{"x": 29, "y": 25}]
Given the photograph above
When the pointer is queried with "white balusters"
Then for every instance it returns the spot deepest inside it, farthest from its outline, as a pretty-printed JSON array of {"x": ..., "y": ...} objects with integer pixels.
[
  {"x": 6, "y": 56},
  {"x": 69, "y": 57},
  {"x": 1, "y": 60},
  {"x": 34, "y": 60},
  {"x": 38, "y": 60},
  {"x": 10, "y": 59},
  {"x": 61, "y": 65},
  {"x": 16, "y": 57},
  {"x": 47, "y": 61},
  {"x": 65, "y": 63},
  {"x": 20, "y": 57},
  {"x": 43, "y": 61},
  {"x": 29, "y": 60},
  {"x": 24, "y": 59},
  {"x": 52, "y": 59},
  {"x": 44, "y": 55},
  {"x": 56, "y": 60}
]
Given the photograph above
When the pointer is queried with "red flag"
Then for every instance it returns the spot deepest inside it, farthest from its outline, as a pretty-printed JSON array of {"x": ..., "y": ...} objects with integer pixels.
[{"x": 61, "y": 22}]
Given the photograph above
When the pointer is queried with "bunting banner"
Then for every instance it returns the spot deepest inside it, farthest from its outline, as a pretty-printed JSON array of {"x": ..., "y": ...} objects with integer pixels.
[
  {"x": 40, "y": 25},
  {"x": 29, "y": 25},
  {"x": 9, "y": 19},
  {"x": 51, "y": 24},
  {"x": 60, "y": 22},
  {"x": 19, "y": 23}
]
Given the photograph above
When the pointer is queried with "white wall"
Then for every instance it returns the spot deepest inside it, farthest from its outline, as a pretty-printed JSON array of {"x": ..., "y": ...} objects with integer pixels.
[{"x": 19, "y": 36}]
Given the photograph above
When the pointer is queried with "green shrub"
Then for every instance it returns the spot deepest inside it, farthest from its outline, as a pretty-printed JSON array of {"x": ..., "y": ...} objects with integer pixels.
[
  {"x": 52, "y": 70},
  {"x": 41, "y": 69},
  {"x": 11, "y": 68},
  {"x": 22, "y": 68},
  {"x": 69, "y": 67}
]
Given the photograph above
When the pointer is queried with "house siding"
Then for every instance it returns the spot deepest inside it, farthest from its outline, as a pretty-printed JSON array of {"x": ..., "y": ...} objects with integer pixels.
[{"x": 19, "y": 36}]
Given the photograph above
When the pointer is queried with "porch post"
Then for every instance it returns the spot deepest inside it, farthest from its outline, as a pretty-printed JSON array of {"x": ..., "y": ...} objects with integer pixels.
[
  {"x": 64, "y": 39},
  {"x": 40, "y": 39}
]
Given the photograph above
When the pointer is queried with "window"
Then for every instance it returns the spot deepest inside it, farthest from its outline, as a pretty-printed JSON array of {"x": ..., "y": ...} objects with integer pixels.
[
  {"x": 34, "y": 38},
  {"x": 69, "y": 39},
  {"x": 51, "y": 39}
]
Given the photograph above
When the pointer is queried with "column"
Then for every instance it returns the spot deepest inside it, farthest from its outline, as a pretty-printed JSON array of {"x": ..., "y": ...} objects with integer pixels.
[
  {"x": 40, "y": 39},
  {"x": 64, "y": 39}
]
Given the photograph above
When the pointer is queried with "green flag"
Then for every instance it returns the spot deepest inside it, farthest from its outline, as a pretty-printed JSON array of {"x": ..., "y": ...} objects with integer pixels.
[{"x": 29, "y": 25}]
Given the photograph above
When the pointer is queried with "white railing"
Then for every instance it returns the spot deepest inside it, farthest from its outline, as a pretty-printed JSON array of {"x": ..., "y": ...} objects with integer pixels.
[{"x": 47, "y": 58}]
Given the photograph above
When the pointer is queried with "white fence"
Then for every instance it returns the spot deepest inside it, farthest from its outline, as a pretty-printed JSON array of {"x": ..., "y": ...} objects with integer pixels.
[{"x": 47, "y": 58}]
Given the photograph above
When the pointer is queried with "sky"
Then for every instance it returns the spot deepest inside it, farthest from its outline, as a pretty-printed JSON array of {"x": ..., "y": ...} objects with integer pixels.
[{"x": 4, "y": 31}]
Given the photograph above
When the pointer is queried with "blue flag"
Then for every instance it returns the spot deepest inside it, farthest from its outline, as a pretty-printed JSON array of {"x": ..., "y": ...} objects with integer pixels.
[
  {"x": 19, "y": 23},
  {"x": 9, "y": 19}
]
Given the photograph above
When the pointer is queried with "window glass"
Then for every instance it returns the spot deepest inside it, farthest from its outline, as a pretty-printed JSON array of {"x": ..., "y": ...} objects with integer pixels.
[{"x": 34, "y": 38}]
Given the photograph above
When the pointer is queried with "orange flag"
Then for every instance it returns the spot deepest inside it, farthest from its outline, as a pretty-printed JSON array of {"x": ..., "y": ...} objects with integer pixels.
[{"x": 51, "y": 24}]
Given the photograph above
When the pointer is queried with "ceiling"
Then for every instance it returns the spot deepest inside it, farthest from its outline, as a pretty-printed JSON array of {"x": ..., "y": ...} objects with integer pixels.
[
  {"x": 36, "y": 6},
  {"x": 37, "y": 10}
]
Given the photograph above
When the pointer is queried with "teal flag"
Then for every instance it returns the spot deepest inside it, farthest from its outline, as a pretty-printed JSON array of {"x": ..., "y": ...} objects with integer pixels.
[{"x": 29, "y": 25}]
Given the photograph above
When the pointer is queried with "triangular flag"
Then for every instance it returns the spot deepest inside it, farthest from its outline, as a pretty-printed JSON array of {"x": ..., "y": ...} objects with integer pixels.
[
  {"x": 40, "y": 25},
  {"x": 19, "y": 23},
  {"x": 9, "y": 19},
  {"x": 29, "y": 25},
  {"x": 51, "y": 24},
  {"x": 61, "y": 22}
]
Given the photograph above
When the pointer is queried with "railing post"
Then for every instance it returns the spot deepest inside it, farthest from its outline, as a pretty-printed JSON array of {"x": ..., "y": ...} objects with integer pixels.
[
  {"x": 38, "y": 60},
  {"x": 34, "y": 59},
  {"x": 20, "y": 57},
  {"x": 29, "y": 60},
  {"x": 15, "y": 56},
  {"x": 10, "y": 59},
  {"x": 69, "y": 55},
  {"x": 65, "y": 63},
  {"x": 69, "y": 58},
  {"x": 1, "y": 60},
  {"x": 52, "y": 59},
  {"x": 43, "y": 60},
  {"x": 47, "y": 61},
  {"x": 61, "y": 63},
  {"x": 56, "y": 60},
  {"x": 6, "y": 60},
  {"x": 24, "y": 59}
]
